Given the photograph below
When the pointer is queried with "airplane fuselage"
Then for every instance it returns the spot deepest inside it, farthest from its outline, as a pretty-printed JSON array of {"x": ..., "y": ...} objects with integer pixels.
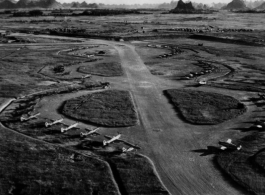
[
  {"x": 112, "y": 140},
  {"x": 30, "y": 117},
  {"x": 68, "y": 128},
  {"x": 53, "y": 123}
]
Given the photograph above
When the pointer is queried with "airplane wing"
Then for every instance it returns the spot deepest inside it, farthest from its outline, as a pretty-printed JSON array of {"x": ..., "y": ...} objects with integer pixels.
[
  {"x": 229, "y": 141},
  {"x": 110, "y": 137}
]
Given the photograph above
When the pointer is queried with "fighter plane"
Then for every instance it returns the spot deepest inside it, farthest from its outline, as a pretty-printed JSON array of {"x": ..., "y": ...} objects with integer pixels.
[
  {"x": 30, "y": 117},
  {"x": 228, "y": 145},
  {"x": 124, "y": 150},
  {"x": 68, "y": 128},
  {"x": 111, "y": 139},
  {"x": 47, "y": 124},
  {"x": 93, "y": 131}
]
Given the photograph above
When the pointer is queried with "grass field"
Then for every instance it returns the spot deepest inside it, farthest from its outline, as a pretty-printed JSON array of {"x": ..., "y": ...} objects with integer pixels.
[
  {"x": 111, "y": 108},
  {"x": 102, "y": 69},
  {"x": 199, "y": 107}
]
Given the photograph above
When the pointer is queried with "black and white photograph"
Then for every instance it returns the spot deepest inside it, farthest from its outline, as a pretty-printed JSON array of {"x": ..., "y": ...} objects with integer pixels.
[{"x": 143, "y": 97}]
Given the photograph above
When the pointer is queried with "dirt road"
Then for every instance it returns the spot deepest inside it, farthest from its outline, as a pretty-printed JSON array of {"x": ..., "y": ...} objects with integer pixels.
[{"x": 170, "y": 140}]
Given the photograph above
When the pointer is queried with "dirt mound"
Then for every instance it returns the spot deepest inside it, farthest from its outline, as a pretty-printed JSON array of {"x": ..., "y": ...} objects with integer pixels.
[
  {"x": 102, "y": 69},
  {"x": 236, "y": 5},
  {"x": 247, "y": 166},
  {"x": 109, "y": 108},
  {"x": 199, "y": 107}
]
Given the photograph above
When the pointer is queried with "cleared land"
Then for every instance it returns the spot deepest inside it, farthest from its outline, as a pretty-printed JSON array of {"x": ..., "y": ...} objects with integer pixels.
[
  {"x": 198, "y": 107},
  {"x": 111, "y": 108}
]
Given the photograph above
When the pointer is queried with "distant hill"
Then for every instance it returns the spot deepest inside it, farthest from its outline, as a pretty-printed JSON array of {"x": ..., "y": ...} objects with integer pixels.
[
  {"x": 183, "y": 7},
  {"x": 8, "y": 4},
  {"x": 13, "y": 1},
  {"x": 84, "y": 5},
  {"x": 254, "y": 4},
  {"x": 235, "y": 5},
  {"x": 261, "y": 7}
]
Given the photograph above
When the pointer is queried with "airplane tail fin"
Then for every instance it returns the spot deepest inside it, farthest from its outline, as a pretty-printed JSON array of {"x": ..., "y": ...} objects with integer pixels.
[
  {"x": 47, "y": 124},
  {"x": 22, "y": 118},
  {"x": 124, "y": 149},
  {"x": 229, "y": 141},
  {"x": 82, "y": 134},
  {"x": 105, "y": 142},
  {"x": 63, "y": 130}
]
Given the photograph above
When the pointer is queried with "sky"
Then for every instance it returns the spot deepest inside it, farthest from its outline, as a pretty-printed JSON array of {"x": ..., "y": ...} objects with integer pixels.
[{"x": 142, "y": 1}]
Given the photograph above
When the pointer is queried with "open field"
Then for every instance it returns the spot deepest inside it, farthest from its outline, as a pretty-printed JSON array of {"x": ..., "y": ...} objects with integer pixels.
[{"x": 153, "y": 71}]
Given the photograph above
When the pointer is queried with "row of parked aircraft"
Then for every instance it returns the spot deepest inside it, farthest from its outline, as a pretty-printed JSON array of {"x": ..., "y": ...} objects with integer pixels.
[{"x": 82, "y": 134}]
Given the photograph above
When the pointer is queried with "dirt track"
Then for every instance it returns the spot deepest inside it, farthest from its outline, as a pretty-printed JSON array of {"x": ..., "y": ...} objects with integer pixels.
[
  {"x": 167, "y": 140},
  {"x": 182, "y": 171}
]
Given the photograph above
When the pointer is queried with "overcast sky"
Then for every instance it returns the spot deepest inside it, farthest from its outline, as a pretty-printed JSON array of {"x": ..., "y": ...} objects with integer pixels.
[{"x": 141, "y": 1}]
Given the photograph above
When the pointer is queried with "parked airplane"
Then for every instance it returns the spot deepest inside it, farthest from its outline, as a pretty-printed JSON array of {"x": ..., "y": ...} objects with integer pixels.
[
  {"x": 228, "y": 145},
  {"x": 124, "y": 150},
  {"x": 47, "y": 124},
  {"x": 202, "y": 82},
  {"x": 260, "y": 126},
  {"x": 68, "y": 128},
  {"x": 112, "y": 139},
  {"x": 30, "y": 117},
  {"x": 86, "y": 76},
  {"x": 94, "y": 131}
]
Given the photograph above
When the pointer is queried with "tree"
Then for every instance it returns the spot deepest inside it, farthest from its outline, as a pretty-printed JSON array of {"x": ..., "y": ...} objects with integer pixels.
[{"x": 35, "y": 13}]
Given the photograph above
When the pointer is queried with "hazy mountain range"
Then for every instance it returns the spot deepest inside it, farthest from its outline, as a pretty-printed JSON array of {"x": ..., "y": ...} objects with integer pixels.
[{"x": 234, "y": 4}]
